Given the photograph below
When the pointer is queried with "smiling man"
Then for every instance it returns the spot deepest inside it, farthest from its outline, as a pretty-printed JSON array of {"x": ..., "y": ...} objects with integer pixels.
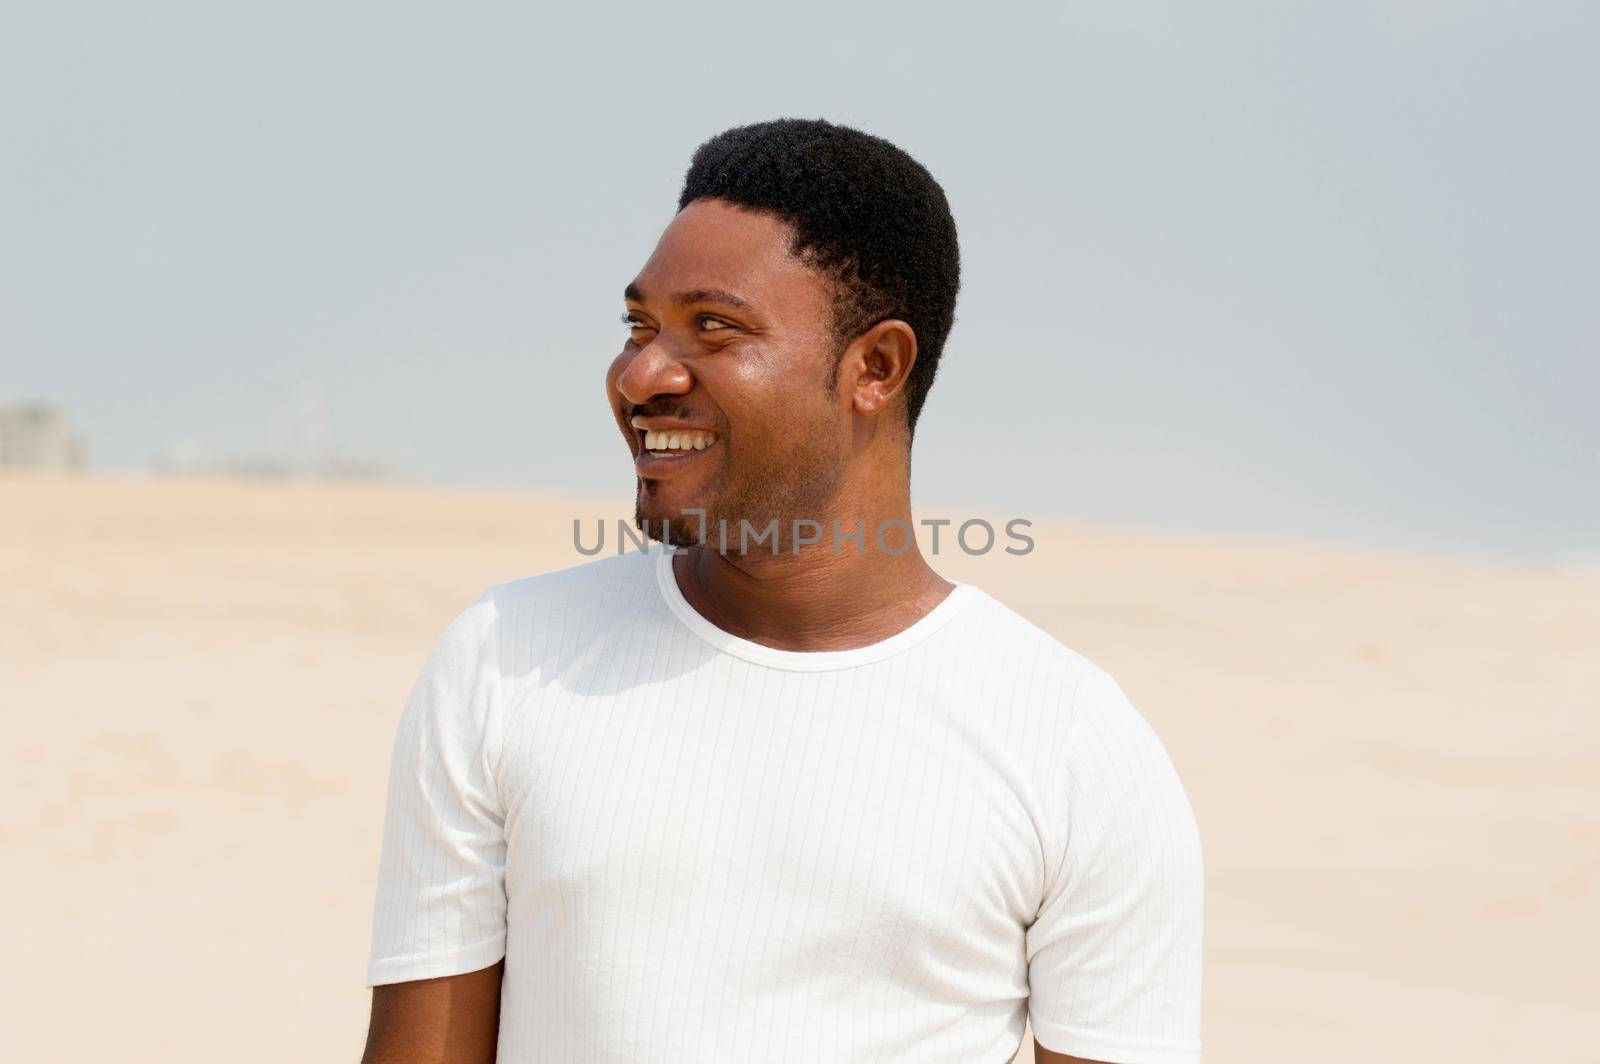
[{"x": 779, "y": 791}]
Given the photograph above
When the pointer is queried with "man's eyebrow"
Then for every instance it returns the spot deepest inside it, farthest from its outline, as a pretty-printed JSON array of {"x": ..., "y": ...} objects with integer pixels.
[{"x": 697, "y": 295}]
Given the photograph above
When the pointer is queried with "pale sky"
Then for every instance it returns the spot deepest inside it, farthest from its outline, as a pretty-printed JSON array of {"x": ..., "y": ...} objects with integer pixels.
[{"x": 1320, "y": 270}]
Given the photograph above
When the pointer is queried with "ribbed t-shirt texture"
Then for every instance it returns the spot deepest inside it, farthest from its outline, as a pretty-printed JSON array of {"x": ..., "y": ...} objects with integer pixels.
[{"x": 688, "y": 846}]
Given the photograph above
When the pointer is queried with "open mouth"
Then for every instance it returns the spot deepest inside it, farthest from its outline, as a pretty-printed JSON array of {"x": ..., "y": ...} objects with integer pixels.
[
  {"x": 660, "y": 449},
  {"x": 674, "y": 443}
]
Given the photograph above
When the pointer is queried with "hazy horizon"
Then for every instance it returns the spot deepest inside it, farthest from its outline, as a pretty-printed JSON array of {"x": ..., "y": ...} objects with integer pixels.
[{"x": 1319, "y": 273}]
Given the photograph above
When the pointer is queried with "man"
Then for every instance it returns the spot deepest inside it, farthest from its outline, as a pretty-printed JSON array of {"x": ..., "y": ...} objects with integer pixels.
[{"x": 795, "y": 798}]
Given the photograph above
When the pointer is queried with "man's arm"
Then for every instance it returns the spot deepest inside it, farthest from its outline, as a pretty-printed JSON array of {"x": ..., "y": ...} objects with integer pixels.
[
  {"x": 1041, "y": 1055},
  {"x": 453, "y": 1020},
  {"x": 439, "y": 926},
  {"x": 1114, "y": 953}
]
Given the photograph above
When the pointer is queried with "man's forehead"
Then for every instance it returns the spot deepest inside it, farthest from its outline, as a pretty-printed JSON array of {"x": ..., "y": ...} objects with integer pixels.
[
  {"x": 712, "y": 251},
  {"x": 688, "y": 296}
]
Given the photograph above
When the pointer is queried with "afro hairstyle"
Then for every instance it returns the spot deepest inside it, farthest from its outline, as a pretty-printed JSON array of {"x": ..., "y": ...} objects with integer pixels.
[{"x": 865, "y": 214}]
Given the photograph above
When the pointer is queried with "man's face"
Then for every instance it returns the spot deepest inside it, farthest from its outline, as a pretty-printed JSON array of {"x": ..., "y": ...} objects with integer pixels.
[{"x": 731, "y": 353}]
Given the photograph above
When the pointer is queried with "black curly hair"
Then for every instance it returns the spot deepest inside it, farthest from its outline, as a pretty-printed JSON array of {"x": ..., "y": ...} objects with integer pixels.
[{"x": 865, "y": 214}]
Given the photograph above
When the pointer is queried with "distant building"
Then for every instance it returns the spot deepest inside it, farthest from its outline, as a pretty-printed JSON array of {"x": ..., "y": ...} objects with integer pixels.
[{"x": 37, "y": 436}]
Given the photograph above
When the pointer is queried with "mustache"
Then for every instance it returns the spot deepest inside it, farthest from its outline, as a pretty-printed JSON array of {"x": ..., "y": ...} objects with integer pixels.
[{"x": 676, "y": 411}]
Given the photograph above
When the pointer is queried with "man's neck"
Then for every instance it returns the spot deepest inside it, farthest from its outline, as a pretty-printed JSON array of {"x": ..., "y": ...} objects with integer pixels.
[{"x": 826, "y": 597}]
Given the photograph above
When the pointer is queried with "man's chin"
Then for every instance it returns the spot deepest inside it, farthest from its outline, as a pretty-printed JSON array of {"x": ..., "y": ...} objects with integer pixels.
[
  {"x": 672, "y": 533},
  {"x": 677, "y": 526}
]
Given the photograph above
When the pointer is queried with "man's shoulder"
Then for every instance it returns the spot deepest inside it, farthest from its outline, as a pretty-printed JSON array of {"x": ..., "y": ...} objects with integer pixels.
[
  {"x": 519, "y": 628},
  {"x": 1081, "y": 708},
  {"x": 1028, "y": 656},
  {"x": 585, "y": 584},
  {"x": 1014, "y": 639}
]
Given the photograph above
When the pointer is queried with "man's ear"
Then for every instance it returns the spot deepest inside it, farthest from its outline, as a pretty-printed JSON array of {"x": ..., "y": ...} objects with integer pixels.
[{"x": 876, "y": 364}]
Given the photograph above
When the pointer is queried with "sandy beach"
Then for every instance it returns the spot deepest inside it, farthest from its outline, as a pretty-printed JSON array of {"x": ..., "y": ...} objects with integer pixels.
[{"x": 1394, "y": 760}]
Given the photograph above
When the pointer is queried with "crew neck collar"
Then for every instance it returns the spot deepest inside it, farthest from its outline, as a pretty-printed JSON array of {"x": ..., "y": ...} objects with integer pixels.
[{"x": 803, "y": 660}]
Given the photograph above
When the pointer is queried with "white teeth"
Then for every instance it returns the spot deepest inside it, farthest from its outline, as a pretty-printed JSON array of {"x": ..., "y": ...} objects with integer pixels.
[{"x": 680, "y": 440}]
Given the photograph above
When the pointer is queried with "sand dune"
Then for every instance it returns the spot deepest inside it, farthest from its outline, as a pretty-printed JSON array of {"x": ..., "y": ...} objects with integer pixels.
[{"x": 1395, "y": 762}]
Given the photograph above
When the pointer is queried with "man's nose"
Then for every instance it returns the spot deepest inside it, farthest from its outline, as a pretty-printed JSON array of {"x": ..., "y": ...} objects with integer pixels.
[{"x": 653, "y": 371}]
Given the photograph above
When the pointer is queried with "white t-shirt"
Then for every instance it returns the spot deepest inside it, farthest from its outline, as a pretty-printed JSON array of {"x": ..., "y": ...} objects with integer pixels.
[{"x": 688, "y": 846}]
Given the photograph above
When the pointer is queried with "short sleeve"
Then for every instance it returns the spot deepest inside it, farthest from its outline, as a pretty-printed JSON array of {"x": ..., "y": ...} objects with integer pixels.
[
  {"x": 1114, "y": 958},
  {"x": 440, "y": 907}
]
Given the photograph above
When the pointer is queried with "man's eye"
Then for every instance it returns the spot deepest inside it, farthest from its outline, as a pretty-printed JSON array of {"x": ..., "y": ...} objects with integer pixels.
[{"x": 707, "y": 323}]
